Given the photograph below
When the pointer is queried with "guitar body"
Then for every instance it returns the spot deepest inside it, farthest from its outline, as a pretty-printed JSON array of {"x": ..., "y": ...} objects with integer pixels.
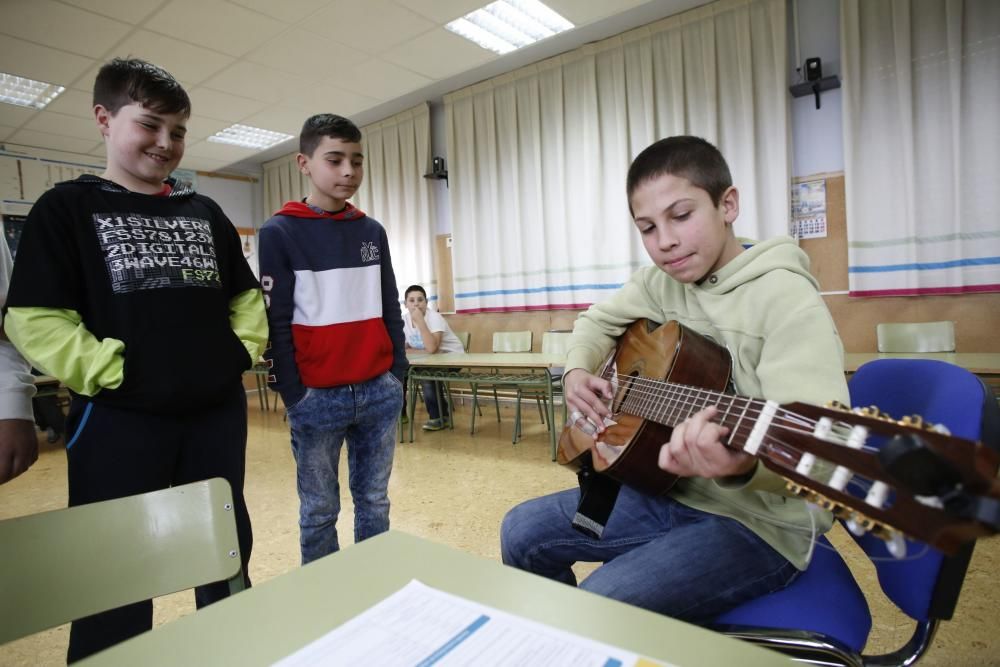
[{"x": 670, "y": 352}]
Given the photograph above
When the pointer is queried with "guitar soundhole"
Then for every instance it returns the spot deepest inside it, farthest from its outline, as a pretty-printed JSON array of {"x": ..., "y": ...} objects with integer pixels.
[{"x": 625, "y": 391}]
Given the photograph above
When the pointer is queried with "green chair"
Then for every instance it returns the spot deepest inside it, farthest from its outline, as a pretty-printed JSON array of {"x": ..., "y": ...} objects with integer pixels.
[
  {"x": 916, "y": 336},
  {"x": 58, "y": 566},
  {"x": 505, "y": 341}
]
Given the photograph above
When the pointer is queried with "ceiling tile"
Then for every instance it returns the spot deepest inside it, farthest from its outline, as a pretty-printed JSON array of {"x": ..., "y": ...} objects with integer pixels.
[
  {"x": 329, "y": 99},
  {"x": 379, "y": 79},
  {"x": 372, "y": 26},
  {"x": 279, "y": 119},
  {"x": 63, "y": 125},
  {"x": 200, "y": 127},
  {"x": 289, "y": 11},
  {"x": 438, "y": 54},
  {"x": 229, "y": 28},
  {"x": 73, "y": 102},
  {"x": 51, "y": 141},
  {"x": 187, "y": 62},
  {"x": 312, "y": 56},
  {"x": 222, "y": 106},
  {"x": 443, "y": 11},
  {"x": 217, "y": 151},
  {"x": 61, "y": 26},
  {"x": 40, "y": 62},
  {"x": 6, "y": 132},
  {"x": 130, "y": 11},
  {"x": 15, "y": 116},
  {"x": 257, "y": 82},
  {"x": 584, "y": 12}
]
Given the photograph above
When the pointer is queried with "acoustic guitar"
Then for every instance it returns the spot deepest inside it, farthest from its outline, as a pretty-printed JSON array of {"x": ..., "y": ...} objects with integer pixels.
[{"x": 912, "y": 477}]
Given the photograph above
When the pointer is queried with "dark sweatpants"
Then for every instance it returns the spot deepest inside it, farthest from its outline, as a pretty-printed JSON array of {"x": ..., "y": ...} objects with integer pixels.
[{"x": 114, "y": 453}]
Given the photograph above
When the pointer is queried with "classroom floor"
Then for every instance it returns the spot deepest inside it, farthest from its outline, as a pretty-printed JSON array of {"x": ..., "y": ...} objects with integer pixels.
[{"x": 454, "y": 489}]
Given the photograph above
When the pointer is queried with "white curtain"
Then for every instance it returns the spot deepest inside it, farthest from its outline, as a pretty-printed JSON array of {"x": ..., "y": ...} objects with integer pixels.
[
  {"x": 282, "y": 182},
  {"x": 393, "y": 191},
  {"x": 538, "y": 157},
  {"x": 922, "y": 145}
]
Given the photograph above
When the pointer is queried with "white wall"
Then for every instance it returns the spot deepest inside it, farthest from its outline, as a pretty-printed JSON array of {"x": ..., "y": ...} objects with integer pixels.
[{"x": 817, "y": 134}]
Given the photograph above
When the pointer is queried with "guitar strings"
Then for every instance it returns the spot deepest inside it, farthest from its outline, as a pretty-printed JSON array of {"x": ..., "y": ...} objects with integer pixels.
[
  {"x": 670, "y": 398},
  {"x": 674, "y": 398}
]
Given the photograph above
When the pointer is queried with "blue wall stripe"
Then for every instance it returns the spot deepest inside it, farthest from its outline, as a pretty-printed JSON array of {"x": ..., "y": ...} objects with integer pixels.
[
  {"x": 536, "y": 290},
  {"x": 925, "y": 266}
]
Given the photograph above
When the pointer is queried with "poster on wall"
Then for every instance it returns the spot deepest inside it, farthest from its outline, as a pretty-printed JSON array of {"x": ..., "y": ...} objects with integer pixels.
[{"x": 12, "y": 227}]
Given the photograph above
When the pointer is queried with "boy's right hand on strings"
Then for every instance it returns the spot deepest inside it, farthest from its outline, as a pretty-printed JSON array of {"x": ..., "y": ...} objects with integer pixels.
[{"x": 587, "y": 396}]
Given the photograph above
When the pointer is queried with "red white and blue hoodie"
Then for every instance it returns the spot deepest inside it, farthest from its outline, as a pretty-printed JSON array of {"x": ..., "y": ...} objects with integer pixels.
[{"x": 332, "y": 302}]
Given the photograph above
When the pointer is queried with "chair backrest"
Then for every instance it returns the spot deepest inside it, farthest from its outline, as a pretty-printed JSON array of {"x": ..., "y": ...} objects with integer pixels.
[
  {"x": 512, "y": 341},
  {"x": 555, "y": 342},
  {"x": 916, "y": 336},
  {"x": 926, "y": 584},
  {"x": 463, "y": 336},
  {"x": 59, "y": 566}
]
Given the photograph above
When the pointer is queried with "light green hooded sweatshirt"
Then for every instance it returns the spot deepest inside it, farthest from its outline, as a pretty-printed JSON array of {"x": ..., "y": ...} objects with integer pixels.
[{"x": 765, "y": 308}]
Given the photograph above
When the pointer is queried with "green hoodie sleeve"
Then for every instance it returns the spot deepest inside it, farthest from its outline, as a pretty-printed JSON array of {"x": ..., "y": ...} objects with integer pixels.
[
  {"x": 248, "y": 319},
  {"x": 56, "y": 341}
]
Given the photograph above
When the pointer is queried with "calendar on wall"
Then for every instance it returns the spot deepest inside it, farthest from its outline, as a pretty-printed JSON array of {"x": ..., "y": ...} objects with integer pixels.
[{"x": 808, "y": 210}]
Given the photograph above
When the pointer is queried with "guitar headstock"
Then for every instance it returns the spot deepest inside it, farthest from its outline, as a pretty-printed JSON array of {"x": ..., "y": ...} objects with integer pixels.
[{"x": 886, "y": 476}]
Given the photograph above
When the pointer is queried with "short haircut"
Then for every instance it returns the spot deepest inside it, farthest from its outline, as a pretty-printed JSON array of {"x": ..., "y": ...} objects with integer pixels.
[
  {"x": 124, "y": 81},
  {"x": 689, "y": 157},
  {"x": 326, "y": 125},
  {"x": 414, "y": 288}
]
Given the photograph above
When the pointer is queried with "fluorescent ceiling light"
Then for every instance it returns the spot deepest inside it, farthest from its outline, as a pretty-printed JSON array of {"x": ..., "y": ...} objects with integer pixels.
[
  {"x": 249, "y": 137},
  {"x": 506, "y": 25},
  {"x": 27, "y": 92}
]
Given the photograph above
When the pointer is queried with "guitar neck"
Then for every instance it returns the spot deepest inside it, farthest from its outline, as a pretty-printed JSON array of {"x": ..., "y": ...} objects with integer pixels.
[{"x": 669, "y": 404}]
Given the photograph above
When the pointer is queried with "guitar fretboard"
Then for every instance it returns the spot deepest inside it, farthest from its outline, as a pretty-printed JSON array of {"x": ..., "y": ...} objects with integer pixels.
[{"x": 669, "y": 404}]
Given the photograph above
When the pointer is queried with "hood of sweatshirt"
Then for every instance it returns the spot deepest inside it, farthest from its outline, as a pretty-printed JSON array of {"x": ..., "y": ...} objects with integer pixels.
[{"x": 300, "y": 209}]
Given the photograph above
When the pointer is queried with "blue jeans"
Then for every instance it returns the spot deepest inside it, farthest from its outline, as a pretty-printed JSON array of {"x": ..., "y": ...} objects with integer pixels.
[
  {"x": 435, "y": 409},
  {"x": 365, "y": 416},
  {"x": 658, "y": 554}
]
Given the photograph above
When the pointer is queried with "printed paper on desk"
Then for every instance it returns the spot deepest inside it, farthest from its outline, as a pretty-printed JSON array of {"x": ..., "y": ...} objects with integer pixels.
[{"x": 419, "y": 626}]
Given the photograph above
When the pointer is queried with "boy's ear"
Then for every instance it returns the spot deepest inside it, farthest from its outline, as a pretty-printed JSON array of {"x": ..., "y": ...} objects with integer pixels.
[
  {"x": 730, "y": 204},
  {"x": 303, "y": 161},
  {"x": 103, "y": 118}
]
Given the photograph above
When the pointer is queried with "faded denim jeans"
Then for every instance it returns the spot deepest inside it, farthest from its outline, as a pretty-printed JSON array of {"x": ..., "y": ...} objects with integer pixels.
[
  {"x": 364, "y": 415},
  {"x": 658, "y": 554}
]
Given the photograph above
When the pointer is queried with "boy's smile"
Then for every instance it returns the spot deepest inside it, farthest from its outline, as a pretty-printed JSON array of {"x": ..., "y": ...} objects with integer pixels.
[
  {"x": 144, "y": 146},
  {"x": 685, "y": 235}
]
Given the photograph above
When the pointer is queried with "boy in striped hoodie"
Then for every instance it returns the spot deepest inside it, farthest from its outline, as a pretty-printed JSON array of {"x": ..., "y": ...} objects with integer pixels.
[{"x": 337, "y": 351}]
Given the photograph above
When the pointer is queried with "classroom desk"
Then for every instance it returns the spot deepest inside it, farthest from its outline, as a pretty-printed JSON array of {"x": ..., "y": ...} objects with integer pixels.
[
  {"x": 522, "y": 369},
  {"x": 984, "y": 364},
  {"x": 980, "y": 363},
  {"x": 267, "y": 622}
]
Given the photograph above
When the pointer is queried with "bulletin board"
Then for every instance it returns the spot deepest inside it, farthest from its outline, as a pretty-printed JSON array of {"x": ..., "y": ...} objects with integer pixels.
[{"x": 828, "y": 255}]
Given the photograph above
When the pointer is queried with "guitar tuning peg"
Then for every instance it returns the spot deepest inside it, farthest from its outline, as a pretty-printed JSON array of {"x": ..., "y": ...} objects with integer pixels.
[
  {"x": 856, "y": 527},
  {"x": 837, "y": 405},
  {"x": 916, "y": 421},
  {"x": 894, "y": 544}
]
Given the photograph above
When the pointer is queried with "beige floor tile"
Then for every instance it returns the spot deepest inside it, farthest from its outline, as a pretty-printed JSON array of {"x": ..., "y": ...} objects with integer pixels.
[{"x": 454, "y": 489}]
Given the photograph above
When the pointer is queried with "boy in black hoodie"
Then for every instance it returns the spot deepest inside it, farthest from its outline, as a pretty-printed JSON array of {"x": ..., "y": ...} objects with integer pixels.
[{"x": 134, "y": 292}]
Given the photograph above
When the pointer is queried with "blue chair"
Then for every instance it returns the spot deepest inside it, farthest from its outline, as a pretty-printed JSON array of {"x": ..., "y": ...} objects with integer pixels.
[{"x": 824, "y": 605}]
